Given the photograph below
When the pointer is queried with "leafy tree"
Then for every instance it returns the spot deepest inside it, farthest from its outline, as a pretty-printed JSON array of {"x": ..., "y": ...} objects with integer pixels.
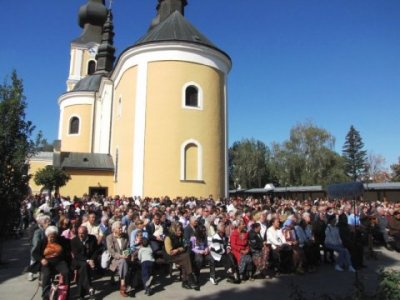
[
  {"x": 355, "y": 157},
  {"x": 51, "y": 178},
  {"x": 248, "y": 163},
  {"x": 375, "y": 168},
  {"x": 15, "y": 147},
  {"x": 307, "y": 158},
  {"x": 395, "y": 171}
]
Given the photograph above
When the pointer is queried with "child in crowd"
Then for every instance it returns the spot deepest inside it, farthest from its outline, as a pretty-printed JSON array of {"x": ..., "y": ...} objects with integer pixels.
[{"x": 146, "y": 259}]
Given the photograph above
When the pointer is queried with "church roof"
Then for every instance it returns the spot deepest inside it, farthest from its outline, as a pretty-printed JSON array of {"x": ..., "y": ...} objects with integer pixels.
[
  {"x": 83, "y": 161},
  {"x": 175, "y": 28},
  {"x": 90, "y": 83}
]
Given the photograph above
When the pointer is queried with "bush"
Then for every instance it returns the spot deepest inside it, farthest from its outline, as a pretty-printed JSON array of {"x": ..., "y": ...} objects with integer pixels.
[{"x": 389, "y": 285}]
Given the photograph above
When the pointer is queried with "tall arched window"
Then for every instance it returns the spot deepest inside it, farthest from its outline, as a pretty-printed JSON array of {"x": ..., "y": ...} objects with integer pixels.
[
  {"x": 192, "y": 96},
  {"x": 191, "y": 154},
  {"x": 191, "y": 161},
  {"x": 74, "y": 125},
  {"x": 91, "y": 67}
]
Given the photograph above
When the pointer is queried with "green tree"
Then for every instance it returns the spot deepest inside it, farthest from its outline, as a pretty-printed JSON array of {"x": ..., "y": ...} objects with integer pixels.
[
  {"x": 307, "y": 158},
  {"x": 355, "y": 158},
  {"x": 248, "y": 163},
  {"x": 15, "y": 147},
  {"x": 51, "y": 178},
  {"x": 395, "y": 171}
]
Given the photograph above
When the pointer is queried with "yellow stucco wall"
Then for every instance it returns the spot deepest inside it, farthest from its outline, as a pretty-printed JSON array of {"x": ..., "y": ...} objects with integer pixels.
[
  {"x": 168, "y": 126},
  {"x": 123, "y": 127},
  {"x": 80, "y": 142},
  {"x": 82, "y": 180},
  {"x": 34, "y": 166}
]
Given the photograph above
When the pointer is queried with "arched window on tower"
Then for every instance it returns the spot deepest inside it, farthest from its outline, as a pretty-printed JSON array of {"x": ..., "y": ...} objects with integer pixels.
[
  {"x": 91, "y": 67},
  {"x": 74, "y": 125},
  {"x": 192, "y": 96},
  {"x": 191, "y": 161}
]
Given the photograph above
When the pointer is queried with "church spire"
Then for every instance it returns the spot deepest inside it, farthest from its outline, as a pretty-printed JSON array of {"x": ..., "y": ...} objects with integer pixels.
[
  {"x": 165, "y": 8},
  {"x": 105, "y": 54}
]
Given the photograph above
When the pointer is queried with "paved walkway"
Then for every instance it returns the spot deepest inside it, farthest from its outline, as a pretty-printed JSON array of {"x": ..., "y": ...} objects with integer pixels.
[{"x": 14, "y": 286}]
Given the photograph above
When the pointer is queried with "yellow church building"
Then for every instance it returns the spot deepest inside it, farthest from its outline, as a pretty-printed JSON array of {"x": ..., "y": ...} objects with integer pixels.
[{"x": 152, "y": 122}]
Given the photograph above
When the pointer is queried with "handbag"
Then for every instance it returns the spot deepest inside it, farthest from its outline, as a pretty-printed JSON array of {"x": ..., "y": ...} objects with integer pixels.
[{"x": 105, "y": 259}]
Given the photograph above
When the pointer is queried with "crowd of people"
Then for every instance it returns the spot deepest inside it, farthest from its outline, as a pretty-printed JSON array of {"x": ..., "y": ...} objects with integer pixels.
[{"x": 135, "y": 239}]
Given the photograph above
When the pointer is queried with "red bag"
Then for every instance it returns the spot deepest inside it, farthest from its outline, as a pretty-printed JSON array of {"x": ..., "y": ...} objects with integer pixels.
[{"x": 59, "y": 290}]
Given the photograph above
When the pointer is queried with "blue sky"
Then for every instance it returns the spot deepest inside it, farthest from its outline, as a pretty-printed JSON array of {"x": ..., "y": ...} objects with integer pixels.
[{"x": 333, "y": 62}]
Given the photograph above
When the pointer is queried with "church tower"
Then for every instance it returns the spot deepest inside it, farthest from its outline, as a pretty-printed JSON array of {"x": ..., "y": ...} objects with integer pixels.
[
  {"x": 92, "y": 17},
  {"x": 170, "y": 104}
]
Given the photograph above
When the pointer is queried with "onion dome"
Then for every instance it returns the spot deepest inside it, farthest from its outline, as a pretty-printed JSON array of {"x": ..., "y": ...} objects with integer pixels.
[
  {"x": 94, "y": 13},
  {"x": 92, "y": 17}
]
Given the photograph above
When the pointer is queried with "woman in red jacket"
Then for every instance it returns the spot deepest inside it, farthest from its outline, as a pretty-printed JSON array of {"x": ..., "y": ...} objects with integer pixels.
[{"x": 240, "y": 248}]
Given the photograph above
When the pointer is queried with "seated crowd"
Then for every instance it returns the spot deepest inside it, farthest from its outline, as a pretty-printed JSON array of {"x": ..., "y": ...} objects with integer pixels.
[{"x": 136, "y": 239}]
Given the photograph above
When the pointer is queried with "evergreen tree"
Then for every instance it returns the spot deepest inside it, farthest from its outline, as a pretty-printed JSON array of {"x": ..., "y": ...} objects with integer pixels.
[
  {"x": 15, "y": 147},
  {"x": 355, "y": 158}
]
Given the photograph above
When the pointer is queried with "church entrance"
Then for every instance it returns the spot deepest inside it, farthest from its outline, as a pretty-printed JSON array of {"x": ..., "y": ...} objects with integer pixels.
[{"x": 100, "y": 191}]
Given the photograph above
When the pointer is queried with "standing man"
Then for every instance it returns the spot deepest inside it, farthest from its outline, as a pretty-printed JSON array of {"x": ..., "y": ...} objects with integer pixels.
[{"x": 37, "y": 245}]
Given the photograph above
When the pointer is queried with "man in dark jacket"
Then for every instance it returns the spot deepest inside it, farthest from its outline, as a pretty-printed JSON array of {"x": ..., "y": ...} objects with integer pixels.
[{"x": 85, "y": 250}]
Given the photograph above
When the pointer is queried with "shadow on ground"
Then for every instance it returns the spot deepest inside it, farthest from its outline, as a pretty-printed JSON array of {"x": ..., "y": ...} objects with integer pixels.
[
  {"x": 325, "y": 281},
  {"x": 16, "y": 258}
]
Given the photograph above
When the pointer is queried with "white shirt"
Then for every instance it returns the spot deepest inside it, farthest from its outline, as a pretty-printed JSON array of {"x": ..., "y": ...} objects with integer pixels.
[
  {"x": 275, "y": 237},
  {"x": 93, "y": 230}
]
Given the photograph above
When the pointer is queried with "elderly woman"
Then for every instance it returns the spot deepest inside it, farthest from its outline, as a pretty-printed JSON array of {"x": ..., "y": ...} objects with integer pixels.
[
  {"x": 118, "y": 247},
  {"x": 54, "y": 259},
  {"x": 176, "y": 250}
]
